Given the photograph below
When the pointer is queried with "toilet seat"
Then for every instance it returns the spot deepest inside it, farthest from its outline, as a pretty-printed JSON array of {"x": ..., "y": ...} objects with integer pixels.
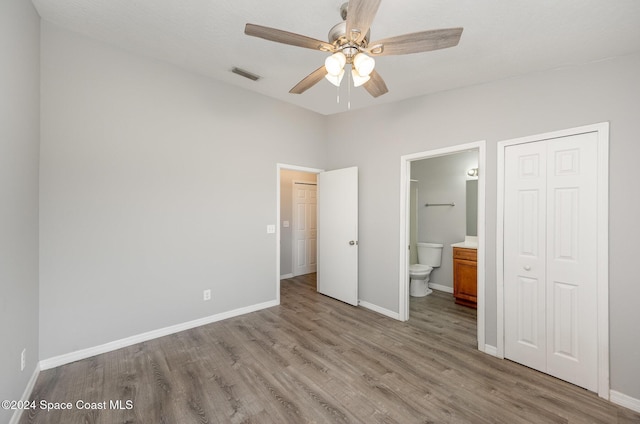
[
  {"x": 419, "y": 272},
  {"x": 417, "y": 269}
]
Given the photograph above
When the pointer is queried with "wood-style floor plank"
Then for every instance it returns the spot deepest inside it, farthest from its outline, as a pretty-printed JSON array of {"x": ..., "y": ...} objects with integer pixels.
[{"x": 316, "y": 360}]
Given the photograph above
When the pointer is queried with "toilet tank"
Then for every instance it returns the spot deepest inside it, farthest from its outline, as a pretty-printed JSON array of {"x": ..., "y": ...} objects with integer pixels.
[{"x": 430, "y": 254}]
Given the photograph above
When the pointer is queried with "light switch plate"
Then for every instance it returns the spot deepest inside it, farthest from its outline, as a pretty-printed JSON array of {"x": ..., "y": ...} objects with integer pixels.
[{"x": 271, "y": 229}]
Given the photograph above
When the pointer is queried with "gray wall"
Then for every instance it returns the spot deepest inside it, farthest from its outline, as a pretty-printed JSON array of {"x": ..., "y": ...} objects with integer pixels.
[
  {"x": 143, "y": 204},
  {"x": 19, "y": 137},
  {"x": 533, "y": 104},
  {"x": 443, "y": 180},
  {"x": 287, "y": 177},
  {"x": 155, "y": 185}
]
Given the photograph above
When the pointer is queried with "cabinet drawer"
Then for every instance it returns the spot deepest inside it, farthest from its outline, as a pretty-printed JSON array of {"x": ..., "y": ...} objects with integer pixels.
[{"x": 467, "y": 254}]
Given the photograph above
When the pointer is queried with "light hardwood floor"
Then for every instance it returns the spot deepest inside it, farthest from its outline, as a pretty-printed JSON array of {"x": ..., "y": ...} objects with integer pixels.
[{"x": 314, "y": 359}]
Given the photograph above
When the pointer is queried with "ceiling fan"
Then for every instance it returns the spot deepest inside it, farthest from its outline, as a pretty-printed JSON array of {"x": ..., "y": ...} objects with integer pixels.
[{"x": 349, "y": 44}]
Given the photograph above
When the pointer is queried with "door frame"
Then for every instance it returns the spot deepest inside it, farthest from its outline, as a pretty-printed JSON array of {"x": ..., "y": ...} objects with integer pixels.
[
  {"x": 602, "y": 234},
  {"x": 280, "y": 167},
  {"x": 405, "y": 187}
]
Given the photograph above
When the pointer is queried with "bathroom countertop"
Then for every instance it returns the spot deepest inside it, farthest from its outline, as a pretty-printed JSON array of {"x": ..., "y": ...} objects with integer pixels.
[{"x": 467, "y": 244}]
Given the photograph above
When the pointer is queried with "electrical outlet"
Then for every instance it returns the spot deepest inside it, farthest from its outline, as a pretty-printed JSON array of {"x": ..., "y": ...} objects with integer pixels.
[
  {"x": 23, "y": 359},
  {"x": 207, "y": 294}
]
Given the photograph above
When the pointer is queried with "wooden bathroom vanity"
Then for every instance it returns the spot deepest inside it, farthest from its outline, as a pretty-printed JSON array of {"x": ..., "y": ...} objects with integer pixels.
[{"x": 465, "y": 275}]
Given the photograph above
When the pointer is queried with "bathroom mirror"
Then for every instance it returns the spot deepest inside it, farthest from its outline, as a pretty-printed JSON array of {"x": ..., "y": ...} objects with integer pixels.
[{"x": 472, "y": 207}]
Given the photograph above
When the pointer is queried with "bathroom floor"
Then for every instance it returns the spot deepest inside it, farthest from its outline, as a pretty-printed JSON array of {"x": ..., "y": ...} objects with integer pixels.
[{"x": 438, "y": 312}]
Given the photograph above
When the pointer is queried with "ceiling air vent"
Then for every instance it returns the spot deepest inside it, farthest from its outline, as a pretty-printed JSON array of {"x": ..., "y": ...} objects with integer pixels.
[{"x": 245, "y": 74}]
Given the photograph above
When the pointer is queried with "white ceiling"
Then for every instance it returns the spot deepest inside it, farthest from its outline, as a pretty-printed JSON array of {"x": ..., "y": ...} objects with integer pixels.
[{"x": 501, "y": 39}]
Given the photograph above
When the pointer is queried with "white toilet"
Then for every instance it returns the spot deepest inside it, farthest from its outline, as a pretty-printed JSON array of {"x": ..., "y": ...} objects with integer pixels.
[{"x": 429, "y": 257}]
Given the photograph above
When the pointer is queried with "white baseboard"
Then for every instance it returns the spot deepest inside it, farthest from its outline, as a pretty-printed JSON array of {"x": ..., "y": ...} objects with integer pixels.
[
  {"x": 285, "y": 276},
  {"x": 26, "y": 394},
  {"x": 378, "y": 309},
  {"x": 67, "y": 358},
  {"x": 624, "y": 400},
  {"x": 441, "y": 288},
  {"x": 396, "y": 315},
  {"x": 490, "y": 350}
]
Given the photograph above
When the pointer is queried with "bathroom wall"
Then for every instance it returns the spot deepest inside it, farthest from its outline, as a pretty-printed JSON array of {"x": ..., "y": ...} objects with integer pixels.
[
  {"x": 287, "y": 177},
  {"x": 413, "y": 222},
  {"x": 443, "y": 180}
]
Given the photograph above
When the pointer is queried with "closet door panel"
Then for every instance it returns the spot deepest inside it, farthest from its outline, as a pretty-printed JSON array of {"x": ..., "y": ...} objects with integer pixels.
[
  {"x": 572, "y": 259},
  {"x": 525, "y": 255}
]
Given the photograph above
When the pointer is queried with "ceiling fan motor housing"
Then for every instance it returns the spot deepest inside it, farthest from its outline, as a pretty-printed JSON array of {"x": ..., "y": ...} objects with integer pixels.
[{"x": 338, "y": 37}]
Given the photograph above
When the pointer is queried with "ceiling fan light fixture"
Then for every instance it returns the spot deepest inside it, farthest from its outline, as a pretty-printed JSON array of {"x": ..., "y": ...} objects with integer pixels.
[
  {"x": 349, "y": 43},
  {"x": 358, "y": 79},
  {"x": 364, "y": 64},
  {"x": 335, "y": 79},
  {"x": 334, "y": 64}
]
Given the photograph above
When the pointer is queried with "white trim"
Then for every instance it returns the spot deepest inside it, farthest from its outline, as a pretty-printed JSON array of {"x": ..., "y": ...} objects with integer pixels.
[
  {"x": 405, "y": 196},
  {"x": 378, "y": 309},
  {"x": 482, "y": 181},
  {"x": 280, "y": 167},
  {"x": 15, "y": 418},
  {"x": 286, "y": 276},
  {"x": 441, "y": 288},
  {"x": 604, "y": 384},
  {"x": 490, "y": 350},
  {"x": 67, "y": 358},
  {"x": 624, "y": 400},
  {"x": 405, "y": 178},
  {"x": 602, "y": 236},
  {"x": 500, "y": 253}
]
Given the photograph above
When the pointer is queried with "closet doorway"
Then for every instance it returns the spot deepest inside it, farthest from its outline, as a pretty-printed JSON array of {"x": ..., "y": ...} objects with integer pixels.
[{"x": 552, "y": 254}]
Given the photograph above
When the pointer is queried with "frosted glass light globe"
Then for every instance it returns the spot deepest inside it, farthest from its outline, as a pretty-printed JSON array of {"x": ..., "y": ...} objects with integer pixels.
[{"x": 334, "y": 64}]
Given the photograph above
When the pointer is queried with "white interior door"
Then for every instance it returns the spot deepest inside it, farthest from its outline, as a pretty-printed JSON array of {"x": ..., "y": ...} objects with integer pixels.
[
  {"x": 550, "y": 257},
  {"x": 338, "y": 234},
  {"x": 305, "y": 231}
]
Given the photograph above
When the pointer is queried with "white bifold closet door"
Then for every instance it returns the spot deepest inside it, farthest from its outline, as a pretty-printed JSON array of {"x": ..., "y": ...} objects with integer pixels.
[{"x": 550, "y": 252}]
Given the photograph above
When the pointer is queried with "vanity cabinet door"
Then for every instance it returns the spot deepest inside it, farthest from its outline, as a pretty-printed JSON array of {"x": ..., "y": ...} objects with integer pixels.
[{"x": 465, "y": 276}]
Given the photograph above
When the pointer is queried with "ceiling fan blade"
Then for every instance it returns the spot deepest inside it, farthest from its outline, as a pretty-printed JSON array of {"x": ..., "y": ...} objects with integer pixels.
[
  {"x": 375, "y": 86},
  {"x": 309, "y": 81},
  {"x": 360, "y": 14},
  {"x": 416, "y": 42},
  {"x": 285, "y": 37}
]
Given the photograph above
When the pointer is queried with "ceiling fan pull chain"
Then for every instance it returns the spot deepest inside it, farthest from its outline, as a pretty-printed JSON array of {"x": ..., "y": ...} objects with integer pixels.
[
  {"x": 337, "y": 94},
  {"x": 349, "y": 93}
]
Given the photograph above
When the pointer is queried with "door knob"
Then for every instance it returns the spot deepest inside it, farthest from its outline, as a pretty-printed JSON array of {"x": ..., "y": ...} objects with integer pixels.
[
  {"x": 527, "y": 268},
  {"x": 352, "y": 243}
]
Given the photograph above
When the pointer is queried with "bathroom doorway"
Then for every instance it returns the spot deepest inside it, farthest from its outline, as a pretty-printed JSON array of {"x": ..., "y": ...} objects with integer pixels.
[{"x": 432, "y": 177}]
